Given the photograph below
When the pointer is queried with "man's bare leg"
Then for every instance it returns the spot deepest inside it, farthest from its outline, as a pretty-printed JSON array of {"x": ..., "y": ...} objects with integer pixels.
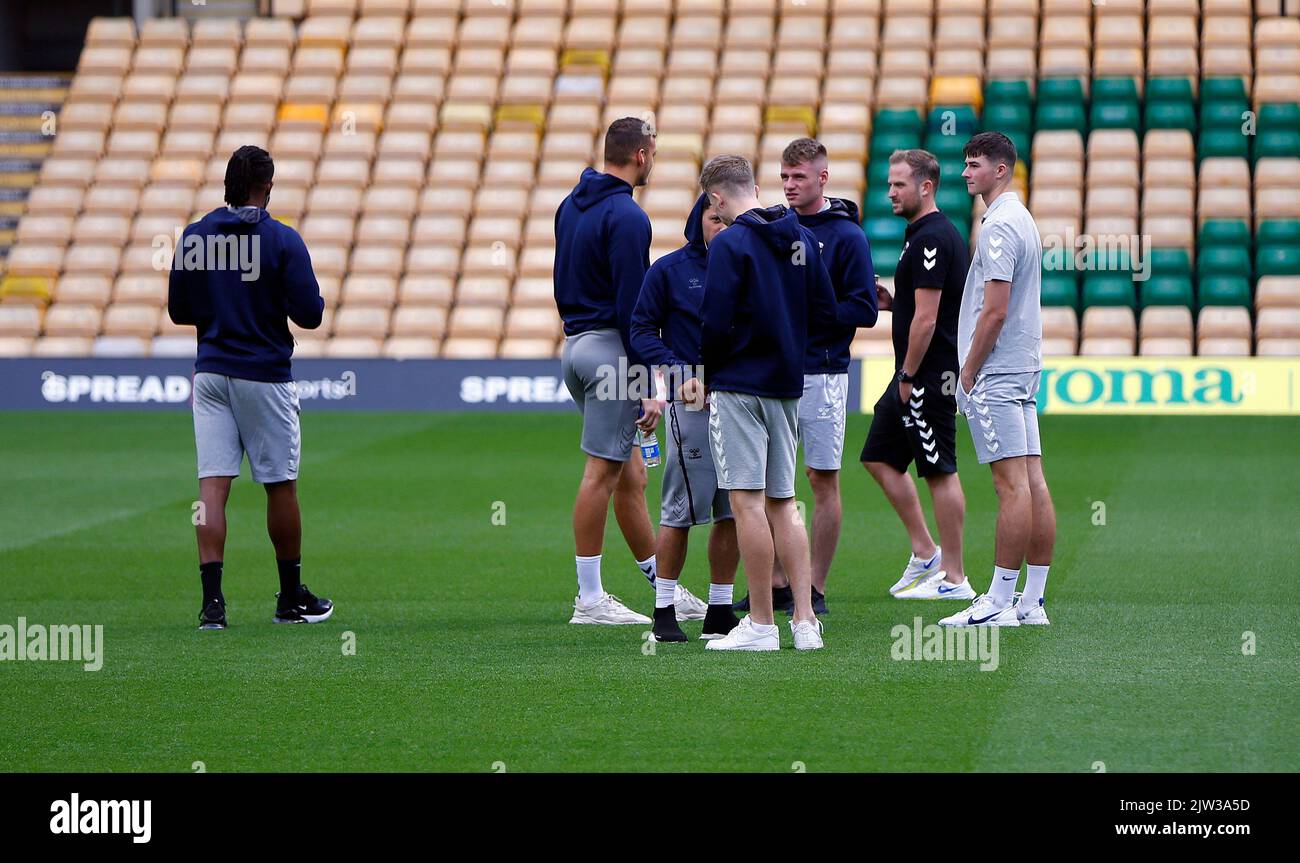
[
  {"x": 630, "y": 508},
  {"x": 828, "y": 515},
  {"x": 724, "y": 552},
  {"x": 284, "y": 519},
  {"x": 214, "y": 491},
  {"x": 792, "y": 548},
  {"x": 591, "y": 508},
  {"x": 901, "y": 493},
  {"x": 671, "y": 551},
  {"x": 754, "y": 538},
  {"x": 1015, "y": 512},
  {"x": 950, "y": 515},
  {"x": 1042, "y": 541}
]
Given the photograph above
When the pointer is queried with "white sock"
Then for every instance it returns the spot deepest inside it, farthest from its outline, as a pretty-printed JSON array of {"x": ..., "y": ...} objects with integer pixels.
[
  {"x": 649, "y": 568},
  {"x": 1035, "y": 584},
  {"x": 720, "y": 594},
  {"x": 763, "y": 627},
  {"x": 1004, "y": 585},
  {"x": 664, "y": 591},
  {"x": 589, "y": 589}
]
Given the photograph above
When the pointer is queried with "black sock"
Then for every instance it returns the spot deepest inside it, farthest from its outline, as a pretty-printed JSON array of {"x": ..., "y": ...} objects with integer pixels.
[
  {"x": 210, "y": 574},
  {"x": 290, "y": 579}
]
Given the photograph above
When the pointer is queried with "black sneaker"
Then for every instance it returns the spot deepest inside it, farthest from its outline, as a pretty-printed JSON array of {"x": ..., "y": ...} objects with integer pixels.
[
  {"x": 213, "y": 615},
  {"x": 743, "y": 605},
  {"x": 718, "y": 621},
  {"x": 666, "y": 628},
  {"x": 308, "y": 608},
  {"x": 819, "y": 602},
  {"x": 783, "y": 599}
]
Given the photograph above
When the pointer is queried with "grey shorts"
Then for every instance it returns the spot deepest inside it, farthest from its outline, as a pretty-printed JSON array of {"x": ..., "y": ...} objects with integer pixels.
[
  {"x": 1002, "y": 412},
  {"x": 233, "y": 416},
  {"x": 690, "y": 489},
  {"x": 821, "y": 420},
  {"x": 755, "y": 441},
  {"x": 590, "y": 362}
]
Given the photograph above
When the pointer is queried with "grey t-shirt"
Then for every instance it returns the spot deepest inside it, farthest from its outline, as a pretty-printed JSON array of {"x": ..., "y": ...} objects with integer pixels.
[{"x": 1009, "y": 250}]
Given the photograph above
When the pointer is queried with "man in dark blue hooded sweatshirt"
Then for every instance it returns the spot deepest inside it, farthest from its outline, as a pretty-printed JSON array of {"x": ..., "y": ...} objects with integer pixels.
[
  {"x": 765, "y": 290},
  {"x": 240, "y": 276},
  {"x": 602, "y": 252},
  {"x": 823, "y": 406},
  {"x": 666, "y": 335}
]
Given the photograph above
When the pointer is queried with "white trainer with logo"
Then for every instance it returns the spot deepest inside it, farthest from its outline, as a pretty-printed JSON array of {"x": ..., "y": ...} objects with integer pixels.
[
  {"x": 688, "y": 605},
  {"x": 984, "y": 612},
  {"x": 807, "y": 634},
  {"x": 917, "y": 571},
  {"x": 607, "y": 611},
  {"x": 1031, "y": 616},
  {"x": 938, "y": 587},
  {"x": 746, "y": 637}
]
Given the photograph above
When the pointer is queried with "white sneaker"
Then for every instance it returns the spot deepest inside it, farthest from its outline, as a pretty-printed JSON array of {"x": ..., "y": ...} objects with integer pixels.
[
  {"x": 606, "y": 610},
  {"x": 1033, "y": 616},
  {"x": 937, "y": 587},
  {"x": 917, "y": 571},
  {"x": 807, "y": 634},
  {"x": 746, "y": 637},
  {"x": 689, "y": 606},
  {"x": 984, "y": 612}
]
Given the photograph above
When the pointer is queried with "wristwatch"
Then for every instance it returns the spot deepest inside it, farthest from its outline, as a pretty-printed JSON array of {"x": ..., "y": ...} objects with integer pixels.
[{"x": 904, "y": 377}]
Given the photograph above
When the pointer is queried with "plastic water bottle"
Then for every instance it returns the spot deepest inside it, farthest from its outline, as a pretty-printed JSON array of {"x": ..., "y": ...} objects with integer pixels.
[{"x": 649, "y": 448}]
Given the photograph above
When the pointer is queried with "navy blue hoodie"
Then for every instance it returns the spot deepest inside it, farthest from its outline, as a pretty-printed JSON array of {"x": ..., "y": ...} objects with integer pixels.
[
  {"x": 847, "y": 256},
  {"x": 240, "y": 277},
  {"x": 765, "y": 289},
  {"x": 666, "y": 320},
  {"x": 602, "y": 252}
]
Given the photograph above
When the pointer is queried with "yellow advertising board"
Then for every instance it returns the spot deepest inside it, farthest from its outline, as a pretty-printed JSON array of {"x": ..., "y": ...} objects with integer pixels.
[{"x": 1247, "y": 386}]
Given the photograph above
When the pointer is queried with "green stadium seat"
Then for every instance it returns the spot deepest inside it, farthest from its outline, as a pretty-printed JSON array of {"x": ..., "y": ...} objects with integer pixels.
[
  {"x": 950, "y": 174},
  {"x": 1169, "y": 115},
  {"x": 899, "y": 120},
  {"x": 1060, "y": 90},
  {"x": 878, "y": 173},
  {"x": 1223, "y": 291},
  {"x": 1223, "y": 115},
  {"x": 884, "y": 258},
  {"x": 1060, "y": 115},
  {"x": 1223, "y": 261},
  {"x": 1278, "y": 232},
  {"x": 1276, "y": 116},
  {"x": 1277, "y": 144},
  {"x": 884, "y": 143},
  {"x": 1223, "y": 90},
  {"x": 1061, "y": 288},
  {"x": 1109, "y": 289},
  {"x": 1109, "y": 260},
  {"x": 1007, "y": 116},
  {"x": 1163, "y": 89},
  {"x": 963, "y": 120},
  {"x": 961, "y": 221},
  {"x": 1114, "y": 90},
  {"x": 953, "y": 198},
  {"x": 1224, "y": 232},
  {"x": 876, "y": 203},
  {"x": 1229, "y": 143},
  {"x": 1115, "y": 115},
  {"x": 1007, "y": 92},
  {"x": 1278, "y": 260},
  {"x": 1170, "y": 262},
  {"x": 1166, "y": 290},
  {"x": 945, "y": 146},
  {"x": 885, "y": 229}
]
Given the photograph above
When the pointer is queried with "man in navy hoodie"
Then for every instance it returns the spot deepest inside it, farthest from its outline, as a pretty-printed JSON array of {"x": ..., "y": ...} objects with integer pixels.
[
  {"x": 822, "y": 408},
  {"x": 666, "y": 335},
  {"x": 240, "y": 276},
  {"x": 765, "y": 289},
  {"x": 602, "y": 252}
]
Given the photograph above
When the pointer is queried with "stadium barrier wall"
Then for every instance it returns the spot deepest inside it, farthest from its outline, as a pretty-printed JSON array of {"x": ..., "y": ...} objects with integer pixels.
[
  {"x": 1247, "y": 386},
  {"x": 1071, "y": 385}
]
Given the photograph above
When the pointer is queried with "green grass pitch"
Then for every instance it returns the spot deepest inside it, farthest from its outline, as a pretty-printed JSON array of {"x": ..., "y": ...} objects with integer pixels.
[{"x": 464, "y": 657}]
